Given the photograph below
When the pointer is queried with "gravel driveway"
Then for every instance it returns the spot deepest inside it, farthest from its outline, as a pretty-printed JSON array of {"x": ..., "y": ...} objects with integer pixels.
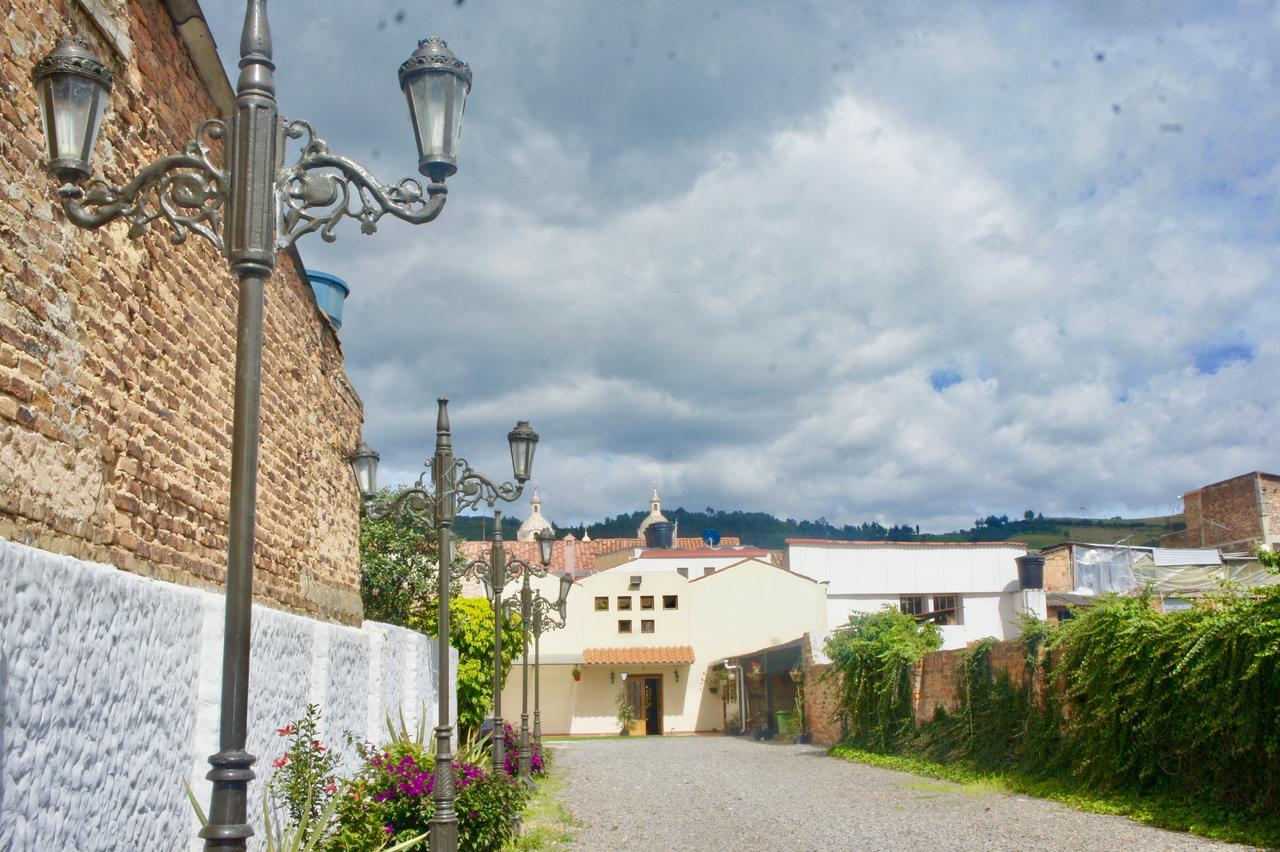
[{"x": 710, "y": 793}]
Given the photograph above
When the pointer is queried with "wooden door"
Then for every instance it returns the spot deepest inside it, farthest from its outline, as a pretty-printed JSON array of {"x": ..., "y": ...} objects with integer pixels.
[{"x": 653, "y": 706}]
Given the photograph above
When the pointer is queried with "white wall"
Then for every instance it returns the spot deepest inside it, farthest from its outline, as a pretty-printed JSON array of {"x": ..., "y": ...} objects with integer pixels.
[
  {"x": 109, "y": 691},
  {"x": 996, "y": 615},
  {"x": 903, "y": 569}
]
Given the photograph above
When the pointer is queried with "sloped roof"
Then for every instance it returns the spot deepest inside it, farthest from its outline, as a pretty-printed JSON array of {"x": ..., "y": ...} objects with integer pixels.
[
  {"x": 585, "y": 553},
  {"x": 660, "y": 655}
]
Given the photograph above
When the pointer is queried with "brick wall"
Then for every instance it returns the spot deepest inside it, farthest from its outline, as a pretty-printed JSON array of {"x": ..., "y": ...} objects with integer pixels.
[
  {"x": 939, "y": 677},
  {"x": 116, "y": 355},
  {"x": 821, "y": 698},
  {"x": 1058, "y": 576},
  {"x": 1226, "y": 514}
]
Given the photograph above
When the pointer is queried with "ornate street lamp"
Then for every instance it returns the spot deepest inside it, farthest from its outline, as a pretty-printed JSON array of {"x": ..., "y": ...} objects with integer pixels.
[
  {"x": 448, "y": 485},
  {"x": 546, "y": 547},
  {"x": 546, "y": 616},
  {"x": 249, "y": 210},
  {"x": 494, "y": 574}
]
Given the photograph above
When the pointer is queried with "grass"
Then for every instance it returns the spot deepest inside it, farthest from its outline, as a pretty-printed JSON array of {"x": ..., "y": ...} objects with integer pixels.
[
  {"x": 547, "y": 825},
  {"x": 1162, "y": 811}
]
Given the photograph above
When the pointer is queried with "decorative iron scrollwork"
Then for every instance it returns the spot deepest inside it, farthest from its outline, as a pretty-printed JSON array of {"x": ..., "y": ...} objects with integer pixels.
[
  {"x": 474, "y": 487},
  {"x": 321, "y": 188},
  {"x": 185, "y": 190}
]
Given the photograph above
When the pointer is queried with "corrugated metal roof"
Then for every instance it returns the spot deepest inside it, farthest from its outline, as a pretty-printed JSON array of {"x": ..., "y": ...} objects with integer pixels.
[{"x": 1170, "y": 556}]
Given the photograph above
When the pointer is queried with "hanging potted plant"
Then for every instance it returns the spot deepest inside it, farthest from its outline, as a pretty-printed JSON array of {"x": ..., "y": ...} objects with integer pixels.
[
  {"x": 577, "y": 673},
  {"x": 797, "y": 675},
  {"x": 755, "y": 674}
]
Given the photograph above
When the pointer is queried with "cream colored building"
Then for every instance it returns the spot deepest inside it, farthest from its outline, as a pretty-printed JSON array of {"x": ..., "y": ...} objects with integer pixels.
[{"x": 666, "y": 620}]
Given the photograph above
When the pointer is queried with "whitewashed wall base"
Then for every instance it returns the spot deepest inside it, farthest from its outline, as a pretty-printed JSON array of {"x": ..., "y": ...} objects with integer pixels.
[{"x": 109, "y": 689}]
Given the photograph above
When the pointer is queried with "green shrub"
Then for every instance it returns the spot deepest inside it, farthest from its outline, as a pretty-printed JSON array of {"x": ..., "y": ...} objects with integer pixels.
[
  {"x": 873, "y": 655},
  {"x": 1183, "y": 706}
]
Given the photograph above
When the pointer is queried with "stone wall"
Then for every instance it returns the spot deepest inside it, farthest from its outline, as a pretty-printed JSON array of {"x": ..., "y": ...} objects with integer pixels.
[
  {"x": 116, "y": 355},
  {"x": 109, "y": 691}
]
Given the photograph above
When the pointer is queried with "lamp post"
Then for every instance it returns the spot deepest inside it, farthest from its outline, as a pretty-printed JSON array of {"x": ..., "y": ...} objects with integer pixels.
[
  {"x": 454, "y": 487},
  {"x": 494, "y": 574},
  {"x": 249, "y": 210},
  {"x": 546, "y": 545},
  {"x": 546, "y": 616}
]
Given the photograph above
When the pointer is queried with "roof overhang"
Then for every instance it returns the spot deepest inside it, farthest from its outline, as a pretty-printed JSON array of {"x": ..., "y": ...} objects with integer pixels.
[{"x": 662, "y": 655}]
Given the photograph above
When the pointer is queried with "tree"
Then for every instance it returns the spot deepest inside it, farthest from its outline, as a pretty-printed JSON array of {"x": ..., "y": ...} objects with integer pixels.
[
  {"x": 398, "y": 558},
  {"x": 471, "y": 633}
]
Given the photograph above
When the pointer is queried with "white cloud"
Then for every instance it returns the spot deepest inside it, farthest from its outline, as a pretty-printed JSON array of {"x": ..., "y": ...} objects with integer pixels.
[{"x": 739, "y": 285}]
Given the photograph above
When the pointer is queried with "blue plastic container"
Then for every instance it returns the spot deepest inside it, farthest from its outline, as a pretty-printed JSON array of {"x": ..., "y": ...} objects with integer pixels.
[{"x": 331, "y": 291}]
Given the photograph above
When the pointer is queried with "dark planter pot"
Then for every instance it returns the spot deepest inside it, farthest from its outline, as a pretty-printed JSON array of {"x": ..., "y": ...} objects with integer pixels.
[
  {"x": 762, "y": 734},
  {"x": 804, "y": 739},
  {"x": 1030, "y": 571},
  {"x": 624, "y": 733}
]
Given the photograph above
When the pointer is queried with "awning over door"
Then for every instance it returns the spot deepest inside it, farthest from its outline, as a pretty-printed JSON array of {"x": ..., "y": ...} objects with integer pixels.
[{"x": 660, "y": 655}]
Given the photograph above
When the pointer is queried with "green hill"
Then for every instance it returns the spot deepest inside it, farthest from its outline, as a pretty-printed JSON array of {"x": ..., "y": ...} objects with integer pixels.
[{"x": 764, "y": 530}]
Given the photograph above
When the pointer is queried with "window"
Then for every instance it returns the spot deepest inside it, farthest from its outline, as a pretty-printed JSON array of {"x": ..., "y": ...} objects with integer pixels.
[
  {"x": 646, "y": 601},
  {"x": 708, "y": 571},
  {"x": 948, "y": 609},
  {"x": 646, "y": 626},
  {"x": 624, "y": 601},
  {"x": 683, "y": 572},
  {"x": 670, "y": 602},
  {"x": 602, "y": 604},
  {"x": 911, "y": 604},
  {"x": 635, "y": 583},
  {"x": 624, "y": 625}
]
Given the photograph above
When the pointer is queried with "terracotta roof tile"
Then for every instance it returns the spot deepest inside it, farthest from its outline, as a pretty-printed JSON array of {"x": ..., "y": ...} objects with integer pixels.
[
  {"x": 662, "y": 655},
  {"x": 584, "y": 553}
]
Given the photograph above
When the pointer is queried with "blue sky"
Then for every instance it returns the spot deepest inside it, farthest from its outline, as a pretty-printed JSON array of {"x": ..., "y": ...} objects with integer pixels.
[{"x": 912, "y": 262}]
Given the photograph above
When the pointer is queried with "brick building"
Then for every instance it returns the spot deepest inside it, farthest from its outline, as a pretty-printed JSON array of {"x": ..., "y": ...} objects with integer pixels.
[
  {"x": 117, "y": 355},
  {"x": 1232, "y": 515},
  {"x": 116, "y": 376}
]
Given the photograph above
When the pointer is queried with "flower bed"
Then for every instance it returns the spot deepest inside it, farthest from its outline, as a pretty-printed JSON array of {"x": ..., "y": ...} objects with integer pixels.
[{"x": 388, "y": 801}]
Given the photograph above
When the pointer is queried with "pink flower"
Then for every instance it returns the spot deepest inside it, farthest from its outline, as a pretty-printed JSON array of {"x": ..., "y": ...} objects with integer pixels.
[
  {"x": 281, "y": 760},
  {"x": 317, "y": 747},
  {"x": 331, "y": 789},
  {"x": 287, "y": 730}
]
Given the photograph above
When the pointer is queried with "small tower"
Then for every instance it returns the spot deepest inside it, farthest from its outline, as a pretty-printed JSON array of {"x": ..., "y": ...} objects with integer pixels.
[
  {"x": 535, "y": 523},
  {"x": 655, "y": 515}
]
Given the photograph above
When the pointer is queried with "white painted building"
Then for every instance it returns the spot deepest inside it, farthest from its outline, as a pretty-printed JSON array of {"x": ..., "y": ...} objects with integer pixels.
[
  {"x": 970, "y": 589},
  {"x": 657, "y": 629}
]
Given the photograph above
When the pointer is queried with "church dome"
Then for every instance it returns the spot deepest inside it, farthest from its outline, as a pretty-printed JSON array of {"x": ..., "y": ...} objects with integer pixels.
[
  {"x": 655, "y": 515},
  {"x": 535, "y": 523}
]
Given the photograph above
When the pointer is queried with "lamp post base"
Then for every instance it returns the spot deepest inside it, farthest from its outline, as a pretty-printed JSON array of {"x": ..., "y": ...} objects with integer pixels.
[
  {"x": 526, "y": 756},
  {"x": 499, "y": 746}
]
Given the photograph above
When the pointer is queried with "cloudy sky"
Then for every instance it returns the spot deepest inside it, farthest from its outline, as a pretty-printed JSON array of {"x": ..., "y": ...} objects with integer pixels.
[{"x": 855, "y": 260}]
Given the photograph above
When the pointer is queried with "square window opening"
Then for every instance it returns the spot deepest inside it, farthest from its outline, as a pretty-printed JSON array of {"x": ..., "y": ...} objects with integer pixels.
[
  {"x": 670, "y": 601},
  {"x": 646, "y": 601},
  {"x": 602, "y": 604},
  {"x": 624, "y": 625},
  {"x": 911, "y": 604},
  {"x": 646, "y": 626},
  {"x": 624, "y": 602},
  {"x": 948, "y": 609}
]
